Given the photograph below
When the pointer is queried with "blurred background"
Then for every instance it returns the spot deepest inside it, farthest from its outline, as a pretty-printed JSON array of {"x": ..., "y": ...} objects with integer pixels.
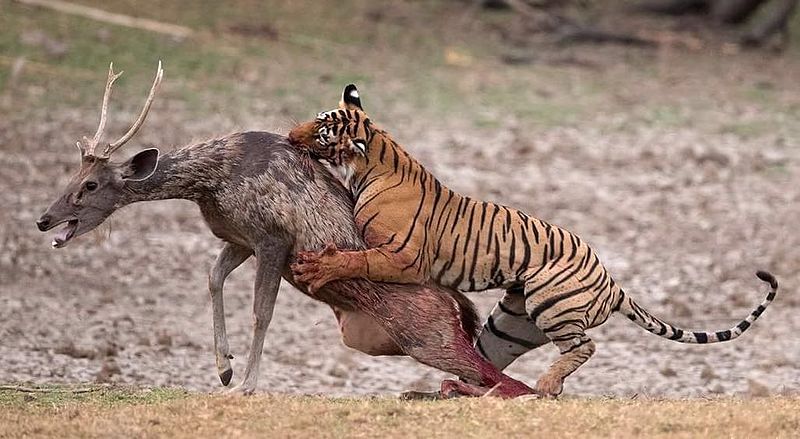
[{"x": 665, "y": 133}]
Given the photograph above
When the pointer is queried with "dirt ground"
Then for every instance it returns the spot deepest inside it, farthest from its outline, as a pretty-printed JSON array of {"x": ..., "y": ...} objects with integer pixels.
[{"x": 680, "y": 166}]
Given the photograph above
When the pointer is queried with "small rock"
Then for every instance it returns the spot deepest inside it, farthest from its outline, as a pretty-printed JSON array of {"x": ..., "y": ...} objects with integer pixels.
[
  {"x": 708, "y": 374},
  {"x": 757, "y": 390}
]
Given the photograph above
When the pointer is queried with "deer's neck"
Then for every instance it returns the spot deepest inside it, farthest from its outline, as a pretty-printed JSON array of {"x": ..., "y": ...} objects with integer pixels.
[{"x": 192, "y": 173}]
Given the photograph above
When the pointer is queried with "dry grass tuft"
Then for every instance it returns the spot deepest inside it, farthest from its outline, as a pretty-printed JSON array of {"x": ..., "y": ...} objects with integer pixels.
[{"x": 171, "y": 413}]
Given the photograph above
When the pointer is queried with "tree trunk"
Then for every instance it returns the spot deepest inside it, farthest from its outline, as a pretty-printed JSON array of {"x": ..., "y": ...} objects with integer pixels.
[
  {"x": 775, "y": 21},
  {"x": 734, "y": 11},
  {"x": 675, "y": 7}
]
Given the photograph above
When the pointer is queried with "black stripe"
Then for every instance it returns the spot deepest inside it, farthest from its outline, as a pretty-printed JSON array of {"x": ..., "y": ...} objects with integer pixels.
[
  {"x": 526, "y": 255},
  {"x": 512, "y": 251},
  {"x": 560, "y": 244},
  {"x": 550, "y": 301},
  {"x": 535, "y": 232},
  {"x": 463, "y": 254},
  {"x": 516, "y": 289},
  {"x": 469, "y": 227},
  {"x": 383, "y": 150},
  {"x": 445, "y": 206},
  {"x": 583, "y": 342},
  {"x": 371, "y": 198},
  {"x": 480, "y": 349},
  {"x": 591, "y": 270},
  {"x": 532, "y": 291},
  {"x": 701, "y": 337},
  {"x": 508, "y": 337},
  {"x": 662, "y": 328},
  {"x": 509, "y": 311},
  {"x": 495, "y": 272},
  {"x": 574, "y": 248},
  {"x": 491, "y": 229},
  {"x": 367, "y": 222},
  {"x": 461, "y": 202},
  {"x": 474, "y": 263}
]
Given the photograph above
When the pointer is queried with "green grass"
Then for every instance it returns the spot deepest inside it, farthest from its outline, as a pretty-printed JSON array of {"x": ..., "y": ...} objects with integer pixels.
[{"x": 319, "y": 47}]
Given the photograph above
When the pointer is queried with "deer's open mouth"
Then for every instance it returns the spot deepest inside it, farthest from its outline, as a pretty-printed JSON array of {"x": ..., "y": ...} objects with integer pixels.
[{"x": 65, "y": 234}]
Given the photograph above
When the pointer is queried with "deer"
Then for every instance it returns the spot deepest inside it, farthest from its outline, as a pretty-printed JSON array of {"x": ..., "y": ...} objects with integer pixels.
[{"x": 257, "y": 194}]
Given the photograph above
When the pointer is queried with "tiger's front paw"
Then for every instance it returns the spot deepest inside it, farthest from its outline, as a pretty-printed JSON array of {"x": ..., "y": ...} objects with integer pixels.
[{"x": 315, "y": 269}]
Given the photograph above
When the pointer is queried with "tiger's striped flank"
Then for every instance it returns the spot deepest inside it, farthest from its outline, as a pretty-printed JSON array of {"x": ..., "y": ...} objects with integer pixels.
[{"x": 420, "y": 231}]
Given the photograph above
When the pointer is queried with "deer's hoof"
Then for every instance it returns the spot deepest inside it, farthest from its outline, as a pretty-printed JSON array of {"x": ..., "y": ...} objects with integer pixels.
[
  {"x": 226, "y": 376},
  {"x": 241, "y": 390}
]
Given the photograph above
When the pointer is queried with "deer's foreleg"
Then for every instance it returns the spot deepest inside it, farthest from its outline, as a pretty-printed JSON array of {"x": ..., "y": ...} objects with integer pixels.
[
  {"x": 229, "y": 258},
  {"x": 271, "y": 258}
]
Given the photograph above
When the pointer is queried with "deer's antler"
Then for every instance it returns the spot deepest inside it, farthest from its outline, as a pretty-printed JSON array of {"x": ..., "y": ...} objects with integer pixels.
[
  {"x": 111, "y": 147},
  {"x": 90, "y": 147}
]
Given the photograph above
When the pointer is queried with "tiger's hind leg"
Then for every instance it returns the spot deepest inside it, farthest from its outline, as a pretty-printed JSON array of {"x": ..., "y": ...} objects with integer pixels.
[
  {"x": 574, "y": 352},
  {"x": 508, "y": 332},
  {"x": 560, "y": 304}
]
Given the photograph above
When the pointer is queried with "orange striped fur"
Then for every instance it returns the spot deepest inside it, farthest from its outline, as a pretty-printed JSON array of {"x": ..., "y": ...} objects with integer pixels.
[{"x": 419, "y": 231}]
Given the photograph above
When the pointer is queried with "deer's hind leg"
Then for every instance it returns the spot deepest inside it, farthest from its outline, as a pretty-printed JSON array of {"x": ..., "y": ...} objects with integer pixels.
[
  {"x": 507, "y": 334},
  {"x": 428, "y": 327},
  {"x": 559, "y": 303},
  {"x": 229, "y": 258}
]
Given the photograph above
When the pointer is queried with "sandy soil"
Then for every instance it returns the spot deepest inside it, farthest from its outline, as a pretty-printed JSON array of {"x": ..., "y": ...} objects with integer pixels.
[{"x": 682, "y": 212}]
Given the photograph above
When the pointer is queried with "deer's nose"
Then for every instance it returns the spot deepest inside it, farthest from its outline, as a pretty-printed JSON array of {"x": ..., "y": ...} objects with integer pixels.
[{"x": 43, "y": 223}]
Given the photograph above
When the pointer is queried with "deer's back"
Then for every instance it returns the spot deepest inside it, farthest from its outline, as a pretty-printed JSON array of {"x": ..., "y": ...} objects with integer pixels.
[{"x": 270, "y": 190}]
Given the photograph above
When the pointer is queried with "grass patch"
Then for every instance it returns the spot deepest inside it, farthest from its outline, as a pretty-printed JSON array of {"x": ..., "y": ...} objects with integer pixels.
[
  {"x": 173, "y": 413},
  {"x": 56, "y": 396},
  {"x": 749, "y": 129}
]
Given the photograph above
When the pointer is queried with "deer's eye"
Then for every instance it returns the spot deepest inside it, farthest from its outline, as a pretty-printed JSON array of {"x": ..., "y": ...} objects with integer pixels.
[{"x": 90, "y": 186}]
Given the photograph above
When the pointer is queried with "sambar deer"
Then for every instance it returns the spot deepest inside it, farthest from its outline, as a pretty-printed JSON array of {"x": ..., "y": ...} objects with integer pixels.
[{"x": 256, "y": 195}]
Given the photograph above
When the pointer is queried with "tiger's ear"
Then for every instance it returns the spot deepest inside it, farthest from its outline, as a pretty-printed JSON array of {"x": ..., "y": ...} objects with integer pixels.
[{"x": 350, "y": 98}]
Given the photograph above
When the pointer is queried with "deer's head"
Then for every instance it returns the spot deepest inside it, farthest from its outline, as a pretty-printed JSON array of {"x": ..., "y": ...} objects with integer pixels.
[{"x": 98, "y": 187}]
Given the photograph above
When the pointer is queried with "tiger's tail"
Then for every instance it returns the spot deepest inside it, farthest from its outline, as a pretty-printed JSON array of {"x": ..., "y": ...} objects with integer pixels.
[{"x": 641, "y": 317}]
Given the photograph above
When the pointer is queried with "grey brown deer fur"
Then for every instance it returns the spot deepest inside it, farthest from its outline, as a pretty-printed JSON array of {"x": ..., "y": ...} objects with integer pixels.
[{"x": 256, "y": 194}]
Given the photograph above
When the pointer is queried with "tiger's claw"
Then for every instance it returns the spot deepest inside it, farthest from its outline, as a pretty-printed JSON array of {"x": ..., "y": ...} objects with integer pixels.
[{"x": 315, "y": 269}]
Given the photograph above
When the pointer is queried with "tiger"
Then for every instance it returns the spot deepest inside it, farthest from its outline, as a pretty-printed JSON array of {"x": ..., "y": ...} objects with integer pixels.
[{"x": 419, "y": 231}]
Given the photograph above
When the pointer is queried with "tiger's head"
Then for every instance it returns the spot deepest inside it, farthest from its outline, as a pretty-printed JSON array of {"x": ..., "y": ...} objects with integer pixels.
[{"x": 338, "y": 136}]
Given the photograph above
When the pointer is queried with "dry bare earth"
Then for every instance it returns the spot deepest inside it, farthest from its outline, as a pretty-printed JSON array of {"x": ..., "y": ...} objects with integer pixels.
[{"x": 680, "y": 167}]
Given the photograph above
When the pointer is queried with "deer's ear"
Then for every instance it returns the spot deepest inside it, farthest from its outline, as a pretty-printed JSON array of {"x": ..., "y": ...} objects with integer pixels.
[
  {"x": 141, "y": 166},
  {"x": 350, "y": 98}
]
